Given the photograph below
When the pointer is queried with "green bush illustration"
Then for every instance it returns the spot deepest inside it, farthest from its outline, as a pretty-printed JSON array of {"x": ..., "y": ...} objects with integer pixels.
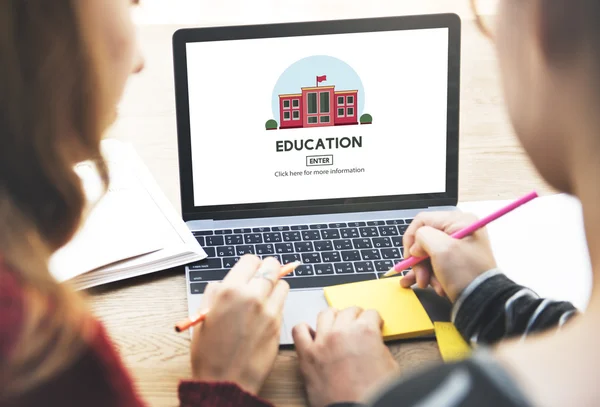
[
  {"x": 271, "y": 124},
  {"x": 366, "y": 119}
]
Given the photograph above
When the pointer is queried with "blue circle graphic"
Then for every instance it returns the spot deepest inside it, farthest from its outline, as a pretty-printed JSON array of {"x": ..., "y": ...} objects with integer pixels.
[{"x": 303, "y": 73}]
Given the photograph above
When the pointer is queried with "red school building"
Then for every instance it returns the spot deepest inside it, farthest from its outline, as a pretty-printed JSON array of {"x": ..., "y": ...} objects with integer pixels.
[{"x": 318, "y": 106}]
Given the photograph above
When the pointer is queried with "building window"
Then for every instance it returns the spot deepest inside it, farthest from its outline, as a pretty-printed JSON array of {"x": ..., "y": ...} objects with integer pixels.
[
  {"x": 350, "y": 112},
  {"x": 312, "y": 103},
  {"x": 341, "y": 112},
  {"x": 286, "y": 104},
  {"x": 340, "y": 100},
  {"x": 286, "y": 115},
  {"x": 296, "y": 103},
  {"x": 324, "y": 102},
  {"x": 296, "y": 114},
  {"x": 312, "y": 119},
  {"x": 324, "y": 119},
  {"x": 350, "y": 100}
]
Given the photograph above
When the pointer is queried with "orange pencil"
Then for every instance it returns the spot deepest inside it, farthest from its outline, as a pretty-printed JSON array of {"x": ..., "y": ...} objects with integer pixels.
[{"x": 201, "y": 316}]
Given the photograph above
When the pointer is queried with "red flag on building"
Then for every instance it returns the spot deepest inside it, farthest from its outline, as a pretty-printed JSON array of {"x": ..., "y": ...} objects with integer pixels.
[{"x": 321, "y": 79}]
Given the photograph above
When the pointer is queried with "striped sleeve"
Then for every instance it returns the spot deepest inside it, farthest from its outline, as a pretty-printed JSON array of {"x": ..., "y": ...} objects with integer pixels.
[{"x": 493, "y": 308}]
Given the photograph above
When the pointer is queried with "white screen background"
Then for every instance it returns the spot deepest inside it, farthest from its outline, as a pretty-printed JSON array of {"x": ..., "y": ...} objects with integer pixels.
[{"x": 404, "y": 76}]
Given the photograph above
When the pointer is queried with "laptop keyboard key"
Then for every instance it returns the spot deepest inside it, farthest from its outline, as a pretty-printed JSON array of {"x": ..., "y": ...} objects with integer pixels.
[
  {"x": 253, "y": 238},
  {"x": 394, "y": 222},
  {"x": 369, "y": 232},
  {"x": 210, "y": 251},
  {"x": 244, "y": 249},
  {"x": 263, "y": 249},
  {"x": 397, "y": 241},
  {"x": 349, "y": 233},
  {"x": 370, "y": 254},
  {"x": 223, "y": 232},
  {"x": 273, "y": 237},
  {"x": 402, "y": 228},
  {"x": 207, "y": 275},
  {"x": 203, "y": 232},
  {"x": 304, "y": 270},
  {"x": 343, "y": 268},
  {"x": 215, "y": 241},
  {"x": 311, "y": 235},
  {"x": 382, "y": 242},
  {"x": 376, "y": 223},
  {"x": 323, "y": 269},
  {"x": 337, "y": 225},
  {"x": 364, "y": 267},
  {"x": 223, "y": 251},
  {"x": 319, "y": 226},
  {"x": 330, "y": 234},
  {"x": 300, "y": 227},
  {"x": 356, "y": 224},
  {"x": 388, "y": 231},
  {"x": 291, "y": 236},
  {"x": 311, "y": 258},
  {"x": 280, "y": 228},
  {"x": 323, "y": 245},
  {"x": 350, "y": 255},
  {"x": 234, "y": 239},
  {"x": 244, "y": 230},
  {"x": 326, "y": 281},
  {"x": 284, "y": 248},
  {"x": 198, "y": 288},
  {"x": 383, "y": 265},
  {"x": 200, "y": 240},
  {"x": 408, "y": 221},
  {"x": 362, "y": 243},
  {"x": 302, "y": 247},
  {"x": 261, "y": 230},
  {"x": 390, "y": 254},
  {"x": 345, "y": 244},
  {"x": 290, "y": 258},
  {"x": 205, "y": 264},
  {"x": 229, "y": 262},
  {"x": 331, "y": 257}
]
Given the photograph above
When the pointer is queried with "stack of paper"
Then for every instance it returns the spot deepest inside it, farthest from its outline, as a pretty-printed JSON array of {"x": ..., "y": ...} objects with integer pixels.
[{"x": 132, "y": 230}]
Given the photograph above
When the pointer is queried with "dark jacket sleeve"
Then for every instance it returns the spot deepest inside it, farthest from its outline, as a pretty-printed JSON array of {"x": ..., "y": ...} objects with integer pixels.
[
  {"x": 196, "y": 394},
  {"x": 494, "y": 307}
]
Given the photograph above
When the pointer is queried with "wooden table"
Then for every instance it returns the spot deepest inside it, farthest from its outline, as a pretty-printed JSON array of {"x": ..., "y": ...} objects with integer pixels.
[{"x": 139, "y": 313}]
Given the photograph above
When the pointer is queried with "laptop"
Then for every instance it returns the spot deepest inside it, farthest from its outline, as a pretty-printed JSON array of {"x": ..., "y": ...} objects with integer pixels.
[{"x": 315, "y": 141}]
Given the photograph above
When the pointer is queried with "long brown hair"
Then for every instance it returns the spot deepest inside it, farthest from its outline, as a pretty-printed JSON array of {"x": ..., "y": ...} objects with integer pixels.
[{"x": 50, "y": 103}]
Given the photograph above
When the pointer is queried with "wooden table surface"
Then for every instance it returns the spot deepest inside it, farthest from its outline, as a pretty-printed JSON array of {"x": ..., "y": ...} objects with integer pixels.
[{"x": 140, "y": 313}]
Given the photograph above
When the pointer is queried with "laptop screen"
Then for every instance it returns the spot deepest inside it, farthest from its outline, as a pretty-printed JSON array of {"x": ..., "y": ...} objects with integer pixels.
[{"x": 318, "y": 117}]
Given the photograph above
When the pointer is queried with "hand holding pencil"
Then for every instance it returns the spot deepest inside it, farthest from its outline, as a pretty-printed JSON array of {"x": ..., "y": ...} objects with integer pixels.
[
  {"x": 238, "y": 339},
  {"x": 449, "y": 249}
]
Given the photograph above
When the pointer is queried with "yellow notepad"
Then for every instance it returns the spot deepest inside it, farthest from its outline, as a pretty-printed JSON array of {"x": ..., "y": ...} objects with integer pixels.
[
  {"x": 402, "y": 312},
  {"x": 452, "y": 345}
]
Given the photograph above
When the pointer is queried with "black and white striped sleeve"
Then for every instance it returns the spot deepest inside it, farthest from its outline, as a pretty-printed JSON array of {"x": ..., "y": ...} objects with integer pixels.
[{"x": 493, "y": 308}]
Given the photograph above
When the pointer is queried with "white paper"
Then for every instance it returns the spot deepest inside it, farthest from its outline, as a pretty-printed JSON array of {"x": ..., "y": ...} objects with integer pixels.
[
  {"x": 133, "y": 230},
  {"x": 542, "y": 245},
  {"x": 118, "y": 227}
]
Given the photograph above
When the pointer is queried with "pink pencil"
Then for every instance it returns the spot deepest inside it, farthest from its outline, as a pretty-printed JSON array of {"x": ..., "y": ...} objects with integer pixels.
[{"x": 411, "y": 261}]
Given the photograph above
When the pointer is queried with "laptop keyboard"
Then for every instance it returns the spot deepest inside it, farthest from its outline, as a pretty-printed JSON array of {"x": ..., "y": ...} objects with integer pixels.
[{"x": 334, "y": 253}]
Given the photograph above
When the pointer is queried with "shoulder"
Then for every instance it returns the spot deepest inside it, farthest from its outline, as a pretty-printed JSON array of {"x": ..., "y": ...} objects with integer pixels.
[{"x": 11, "y": 308}]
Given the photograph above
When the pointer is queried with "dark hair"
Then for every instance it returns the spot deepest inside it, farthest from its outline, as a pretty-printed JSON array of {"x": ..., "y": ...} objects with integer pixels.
[{"x": 50, "y": 105}]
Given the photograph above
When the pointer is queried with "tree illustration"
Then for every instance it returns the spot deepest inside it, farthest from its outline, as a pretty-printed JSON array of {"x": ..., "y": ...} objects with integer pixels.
[
  {"x": 271, "y": 124},
  {"x": 366, "y": 119}
]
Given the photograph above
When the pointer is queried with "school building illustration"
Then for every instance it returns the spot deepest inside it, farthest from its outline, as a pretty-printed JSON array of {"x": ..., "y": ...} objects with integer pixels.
[{"x": 318, "y": 106}]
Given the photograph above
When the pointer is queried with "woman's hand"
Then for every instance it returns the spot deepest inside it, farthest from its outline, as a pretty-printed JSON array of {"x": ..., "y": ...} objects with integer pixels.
[
  {"x": 453, "y": 263},
  {"x": 239, "y": 339},
  {"x": 345, "y": 359}
]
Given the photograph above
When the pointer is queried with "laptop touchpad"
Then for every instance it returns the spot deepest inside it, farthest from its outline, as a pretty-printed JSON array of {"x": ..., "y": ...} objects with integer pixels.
[{"x": 301, "y": 307}]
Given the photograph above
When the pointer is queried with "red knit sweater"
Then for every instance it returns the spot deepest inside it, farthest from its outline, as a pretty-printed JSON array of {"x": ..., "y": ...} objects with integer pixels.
[{"x": 98, "y": 377}]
